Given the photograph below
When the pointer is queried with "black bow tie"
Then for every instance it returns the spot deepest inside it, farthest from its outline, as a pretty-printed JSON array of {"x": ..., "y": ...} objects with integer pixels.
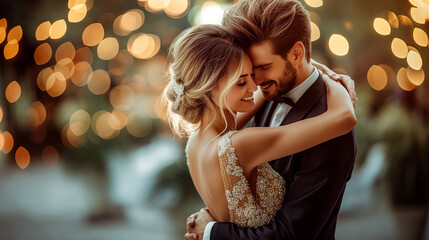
[{"x": 286, "y": 100}]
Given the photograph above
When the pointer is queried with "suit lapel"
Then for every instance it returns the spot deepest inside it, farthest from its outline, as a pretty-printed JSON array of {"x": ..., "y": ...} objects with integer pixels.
[{"x": 306, "y": 102}]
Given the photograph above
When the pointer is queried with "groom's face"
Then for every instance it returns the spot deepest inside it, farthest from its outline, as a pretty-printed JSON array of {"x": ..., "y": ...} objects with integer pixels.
[{"x": 275, "y": 75}]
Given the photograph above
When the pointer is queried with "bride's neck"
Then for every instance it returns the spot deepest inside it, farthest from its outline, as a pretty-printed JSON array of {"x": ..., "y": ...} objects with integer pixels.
[{"x": 218, "y": 124}]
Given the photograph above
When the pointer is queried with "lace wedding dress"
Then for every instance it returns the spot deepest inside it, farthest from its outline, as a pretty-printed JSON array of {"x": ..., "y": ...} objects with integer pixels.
[{"x": 246, "y": 209}]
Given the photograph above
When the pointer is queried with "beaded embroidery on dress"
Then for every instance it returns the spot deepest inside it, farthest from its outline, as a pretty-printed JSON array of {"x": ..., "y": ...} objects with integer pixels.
[{"x": 245, "y": 209}]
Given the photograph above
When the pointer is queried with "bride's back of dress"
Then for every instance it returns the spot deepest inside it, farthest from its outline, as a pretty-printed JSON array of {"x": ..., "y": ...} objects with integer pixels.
[{"x": 222, "y": 185}]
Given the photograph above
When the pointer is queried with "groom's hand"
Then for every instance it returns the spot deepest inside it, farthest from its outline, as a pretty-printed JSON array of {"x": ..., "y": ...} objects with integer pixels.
[{"x": 197, "y": 223}]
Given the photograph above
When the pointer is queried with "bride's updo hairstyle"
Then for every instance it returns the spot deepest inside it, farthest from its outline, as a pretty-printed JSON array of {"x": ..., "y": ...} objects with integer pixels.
[{"x": 200, "y": 57}]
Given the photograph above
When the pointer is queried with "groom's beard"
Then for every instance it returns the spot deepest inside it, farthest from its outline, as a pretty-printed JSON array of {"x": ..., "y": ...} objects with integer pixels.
[{"x": 286, "y": 82}]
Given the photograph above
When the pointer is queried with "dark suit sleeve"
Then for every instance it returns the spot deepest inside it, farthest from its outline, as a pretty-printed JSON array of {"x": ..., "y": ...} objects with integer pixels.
[{"x": 312, "y": 201}]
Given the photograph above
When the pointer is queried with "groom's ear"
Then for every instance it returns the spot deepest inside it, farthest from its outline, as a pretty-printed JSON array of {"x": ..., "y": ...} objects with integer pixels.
[{"x": 297, "y": 53}]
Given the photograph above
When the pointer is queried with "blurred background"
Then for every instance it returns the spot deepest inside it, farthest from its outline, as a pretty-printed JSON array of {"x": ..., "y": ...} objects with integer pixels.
[{"x": 85, "y": 152}]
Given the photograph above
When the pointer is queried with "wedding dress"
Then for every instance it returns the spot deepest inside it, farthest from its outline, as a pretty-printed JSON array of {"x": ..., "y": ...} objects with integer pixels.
[{"x": 246, "y": 209}]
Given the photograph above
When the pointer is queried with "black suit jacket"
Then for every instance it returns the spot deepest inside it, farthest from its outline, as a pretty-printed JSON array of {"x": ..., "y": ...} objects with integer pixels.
[{"x": 315, "y": 180}]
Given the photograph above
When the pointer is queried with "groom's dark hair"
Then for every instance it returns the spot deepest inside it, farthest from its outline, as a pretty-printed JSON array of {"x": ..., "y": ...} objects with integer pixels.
[{"x": 284, "y": 22}]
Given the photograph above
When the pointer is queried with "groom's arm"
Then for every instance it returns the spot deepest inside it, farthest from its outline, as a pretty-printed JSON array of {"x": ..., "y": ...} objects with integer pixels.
[{"x": 312, "y": 203}]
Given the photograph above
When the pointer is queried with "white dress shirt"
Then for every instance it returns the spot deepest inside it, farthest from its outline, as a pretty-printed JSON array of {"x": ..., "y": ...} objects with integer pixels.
[{"x": 279, "y": 114}]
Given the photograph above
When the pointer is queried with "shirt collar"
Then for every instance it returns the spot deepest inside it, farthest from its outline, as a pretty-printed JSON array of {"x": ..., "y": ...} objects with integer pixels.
[{"x": 296, "y": 93}]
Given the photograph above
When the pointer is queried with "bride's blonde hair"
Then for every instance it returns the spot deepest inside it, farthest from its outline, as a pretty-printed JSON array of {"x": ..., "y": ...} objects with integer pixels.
[{"x": 200, "y": 57}]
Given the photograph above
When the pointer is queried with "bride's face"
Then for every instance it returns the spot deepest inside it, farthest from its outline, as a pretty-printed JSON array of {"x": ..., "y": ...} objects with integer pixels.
[{"x": 240, "y": 98}]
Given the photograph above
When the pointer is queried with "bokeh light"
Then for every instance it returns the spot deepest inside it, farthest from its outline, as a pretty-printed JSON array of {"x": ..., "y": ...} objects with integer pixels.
[
  {"x": 58, "y": 29},
  {"x": 338, "y": 44},
  {"x": 420, "y": 37},
  {"x": 393, "y": 20},
  {"x": 377, "y": 77},
  {"x": 177, "y": 8},
  {"x": 138, "y": 126},
  {"x": 13, "y": 92},
  {"x": 77, "y": 13},
  {"x": 8, "y": 142},
  {"x": 80, "y": 122},
  {"x": 108, "y": 48},
  {"x": 414, "y": 60},
  {"x": 99, "y": 82},
  {"x": 315, "y": 32},
  {"x": 1, "y": 114},
  {"x": 211, "y": 13},
  {"x": 417, "y": 15},
  {"x": 56, "y": 84},
  {"x": 143, "y": 46},
  {"x": 3, "y": 27},
  {"x": 22, "y": 157},
  {"x": 39, "y": 113},
  {"x": 381, "y": 26},
  {"x": 83, "y": 54},
  {"x": 399, "y": 48},
  {"x": 65, "y": 51},
  {"x": 15, "y": 33},
  {"x": 416, "y": 77},
  {"x": 132, "y": 20},
  {"x": 403, "y": 80},
  {"x": 11, "y": 49},
  {"x": 81, "y": 73},
  {"x": 1, "y": 141},
  {"x": 314, "y": 3},
  {"x": 43, "y": 31},
  {"x": 42, "y": 54},
  {"x": 93, "y": 34},
  {"x": 50, "y": 156},
  {"x": 122, "y": 97}
]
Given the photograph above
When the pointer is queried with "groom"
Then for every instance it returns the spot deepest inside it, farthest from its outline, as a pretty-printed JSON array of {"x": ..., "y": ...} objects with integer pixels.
[{"x": 276, "y": 35}]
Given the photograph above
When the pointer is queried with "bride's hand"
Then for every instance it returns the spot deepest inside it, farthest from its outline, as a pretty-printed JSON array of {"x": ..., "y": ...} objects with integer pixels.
[{"x": 338, "y": 99}]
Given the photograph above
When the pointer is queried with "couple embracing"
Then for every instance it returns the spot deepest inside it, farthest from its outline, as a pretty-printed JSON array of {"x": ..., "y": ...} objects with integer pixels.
[{"x": 284, "y": 177}]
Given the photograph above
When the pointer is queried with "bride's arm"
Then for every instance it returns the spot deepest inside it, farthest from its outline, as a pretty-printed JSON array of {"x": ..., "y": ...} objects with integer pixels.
[
  {"x": 244, "y": 117},
  {"x": 255, "y": 146}
]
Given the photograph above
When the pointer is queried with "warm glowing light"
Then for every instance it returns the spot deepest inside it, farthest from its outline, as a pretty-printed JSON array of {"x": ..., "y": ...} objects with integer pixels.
[
  {"x": 40, "y": 111},
  {"x": 11, "y": 49},
  {"x": 377, "y": 77},
  {"x": 417, "y": 15},
  {"x": 70, "y": 139},
  {"x": 3, "y": 27},
  {"x": 73, "y": 3},
  {"x": 81, "y": 73},
  {"x": 144, "y": 46},
  {"x": 403, "y": 80},
  {"x": 50, "y": 156},
  {"x": 22, "y": 157},
  {"x": 414, "y": 60},
  {"x": 93, "y": 34},
  {"x": 13, "y": 92},
  {"x": 66, "y": 70},
  {"x": 158, "y": 5},
  {"x": 122, "y": 120},
  {"x": 77, "y": 13},
  {"x": 132, "y": 20},
  {"x": 1, "y": 113},
  {"x": 416, "y": 77},
  {"x": 211, "y": 13},
  {"x": 58, "y": 29},
  {"x": 122, "y": 97},
  {"x": 2, "y": 34},
  {"x": 314, "y": 3},
  {"x": 416, "y": 3},
  {"x": 8, "y": 142},
  {"x": 118, "y": 65},
  {"x": 420, "y": 37},
  {"x": 65, "y": 51},
  {"x": 56, "y": 84},
  {"x": 101, "y": 125},
  {"x": 393, "y": 20},
  {"x": 83, "y": 54},
  {"x": 177, "y": 8},
  {"x": 108, "y": 48},
  {"x": 15, "y": 33},
  {"x": 99, "y": 82},
  {"x": 405, "y": 21},
  {"x": 43, "y": 76},
  {"x": 1, "y": 141},
  {"x": 80, "y": 122},
  {"x": 42, "y": 54},
  {"x": 42, "y": 31},
  {"x": 315, "y": 32},
  {"x": 381, "y": 26},
  {"x": 399, "y": 48},
  {"x": 138, "y": 126},
  {"x": 338, "y": 45}
]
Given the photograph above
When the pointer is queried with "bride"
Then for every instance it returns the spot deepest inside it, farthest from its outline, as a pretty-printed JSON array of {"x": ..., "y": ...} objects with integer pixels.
[{"x": 211, "y": 95}]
